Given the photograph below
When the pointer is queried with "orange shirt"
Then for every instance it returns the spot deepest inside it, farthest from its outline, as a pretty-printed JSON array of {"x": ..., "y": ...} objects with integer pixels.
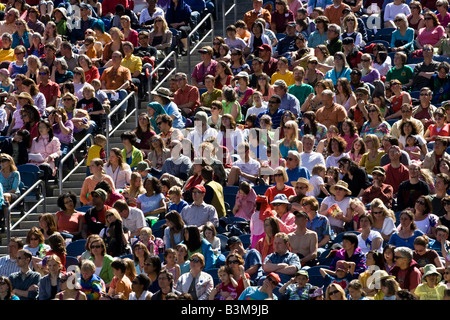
[
  {"x": 114, "y": 79},
  {"x": 335, "y": 14},
  {"x": 121, "y": 286}
]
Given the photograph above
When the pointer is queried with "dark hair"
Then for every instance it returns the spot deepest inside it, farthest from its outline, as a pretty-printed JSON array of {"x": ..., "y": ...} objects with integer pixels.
[
  {"x": 353, "y": 167},
  {"x": 379, "y": 259},
  {"x": 50, "y": 130},
  {"x": 207, "y": 173},
  {"x": 156, "y": 184},
  {"x": 130, "y": 136},
  {"x": 64, "y": 196},
  {"x": 156, "y": 262},
  {"x": 143, "y": 279},
  {"x": 176, "y": 219},
  {"x": 194, "y": 242},
  {"x": 10, "y": 288},
  {"x": 352, "y": 125},
  {"x": 25, "y": 134},
  {"x": 119, "y": 264},
  {"x": 104, "y": 186},
  {"x": 341, "y": 142}
]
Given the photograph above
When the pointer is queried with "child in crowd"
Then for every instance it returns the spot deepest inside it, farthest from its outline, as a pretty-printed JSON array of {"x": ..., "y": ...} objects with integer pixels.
[
  {"x": 146, "y": 237},
  {"x": 97, "y": 150},
  {"x": 120, "y": 287},
  {"x": 226, "y": 289},
  {"x": 342, "y": 276},
  {"x": 165, "y": 187},
  {"x": 170, "y": 259},
  {"x": 130, "y": 268},
  {"x": 182, "y": 258},
  {"x": 209, "y": 234},
  {"x": 412, "y": 148},
  {"x": 431, "y": 287},
  {"x": 357, "y": 150},
  {"x": 317, "y": 180},
  {"x": 176, "y": 203},
  {"x": 389, "y": 287},
  {"x": 355, "y": 291},
  {"x": 447, "y": 277},
  {"x": 245, "y": 203},
  {"x": 297, "y": 288}
]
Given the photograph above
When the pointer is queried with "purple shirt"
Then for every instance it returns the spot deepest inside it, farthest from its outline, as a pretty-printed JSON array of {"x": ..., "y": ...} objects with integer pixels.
[
  {"x": 371, "y": 76},
  {"x": 444, "y": 21},
  {"x": 200, "y": 71},
  {"x": 63, "y": 138}
]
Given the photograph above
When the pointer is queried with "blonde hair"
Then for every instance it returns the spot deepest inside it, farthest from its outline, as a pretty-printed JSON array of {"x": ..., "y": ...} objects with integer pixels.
[
  {"x": 148, "y": 231},
  {"x": 378, "y": 203}
]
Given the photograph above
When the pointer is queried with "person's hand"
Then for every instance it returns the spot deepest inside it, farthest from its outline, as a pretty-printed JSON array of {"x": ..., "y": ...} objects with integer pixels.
[
  {"x": 48, "y": 159},
  {"x": 33, "y": 287}
]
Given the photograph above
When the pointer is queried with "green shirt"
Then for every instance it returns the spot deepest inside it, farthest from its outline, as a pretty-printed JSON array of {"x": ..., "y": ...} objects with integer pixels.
[
  {"x": 207, "y": 98},
  {"x": 403, "y": 74},
  {"x": 301, "y": 92}
]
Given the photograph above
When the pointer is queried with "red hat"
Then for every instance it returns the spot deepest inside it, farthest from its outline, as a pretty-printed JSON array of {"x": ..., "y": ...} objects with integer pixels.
[
  {"x": 200, "y": 188},
  {"x": 265, "y": 46},
  {"x": 274, "y": 276}
]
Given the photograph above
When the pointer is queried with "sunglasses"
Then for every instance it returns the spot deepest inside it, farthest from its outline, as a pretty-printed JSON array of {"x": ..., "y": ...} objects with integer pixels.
[
  {"x": 216, "y": 43},
  {"x": 428, "y": 18},
  {"x": 159, "y": 123},
  {"x": 195, "y": 260},
  {"x": 233, "y": 262},
  {"x": 333, "y": 292},
  {"x": 278, "y": 175},
  {"x": 272, "y": 281},
  {"x": 96, "y": 247},
  {"x": 398, "y": 20},
  {"x": 420, "y": 202}
]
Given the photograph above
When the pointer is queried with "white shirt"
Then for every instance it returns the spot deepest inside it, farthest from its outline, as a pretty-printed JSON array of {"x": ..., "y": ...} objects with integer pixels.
[
  {"x": 196, "y": 137},
  {"x": 135, "y": 219},
  {"x": 309, "y": 160},
  {"x": 366, "y": 245},
  {"x": 145, "y": 16},
  {"x": 343, "y": 205},
  {"x": 316, "y": 181},
  {"x": 121, "y": 177}
]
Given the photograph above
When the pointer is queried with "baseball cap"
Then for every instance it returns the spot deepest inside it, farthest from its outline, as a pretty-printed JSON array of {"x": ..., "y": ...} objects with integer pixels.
[
  {"x": 275, "y": 276},
  {"x": 200, "y": 188},
  {"x": 348, "y": 40},
  {"x": 265, "y": 46}
]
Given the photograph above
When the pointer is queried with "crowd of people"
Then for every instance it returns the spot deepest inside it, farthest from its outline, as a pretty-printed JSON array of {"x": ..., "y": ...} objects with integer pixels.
[{"x": 327, "y": 149}]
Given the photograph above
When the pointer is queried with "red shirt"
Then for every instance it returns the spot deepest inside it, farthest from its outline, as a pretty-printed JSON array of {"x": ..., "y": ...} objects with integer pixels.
[
  {"x": 273, "y": 191},
  {"x": 50, "y": 90},
  {"x": 92, "y": 74},
  {"x": 188, "y": 94},
  {"x": 395, "y": 176}
]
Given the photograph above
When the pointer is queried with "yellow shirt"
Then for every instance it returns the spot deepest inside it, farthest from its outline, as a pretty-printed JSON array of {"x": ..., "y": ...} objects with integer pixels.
[
  {"x": 133, "y": 63},
  {"x": 7, "y": 55},
  {"x": 424, "y": 292},
  {"x": 288, "y": 78}
]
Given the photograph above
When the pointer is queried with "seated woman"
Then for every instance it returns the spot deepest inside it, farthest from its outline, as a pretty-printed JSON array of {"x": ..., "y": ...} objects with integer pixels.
[
  {"x": 98, "y": 174},
  {"x": 9, "y": 178},
  {"x": 68, "y": 220},
  {"x": 152, "y": 202},
  {"x": 46, "y": 148},
  {"x": 63, "y": 130},
  {"x": 130, "y": 153},
  {"x": 117, "y": 169},
  {"x": 60, "y": 72},
  {"x": 144, "y": 133}
]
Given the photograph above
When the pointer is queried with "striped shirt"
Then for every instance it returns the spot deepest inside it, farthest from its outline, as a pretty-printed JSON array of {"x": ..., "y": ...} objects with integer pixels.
[{"x": 8, "y": 266}]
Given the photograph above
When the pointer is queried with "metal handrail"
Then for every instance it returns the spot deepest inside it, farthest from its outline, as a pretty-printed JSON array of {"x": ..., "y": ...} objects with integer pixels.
[
  {"x": 191, "y": 51},
  {"x": 159, "y": 66},
  {"x": 116, "y": 108},
  {"x": 61, "y": 180},
  {"x": 225, "y": 13},
  {"x": 19, "y": 200}
]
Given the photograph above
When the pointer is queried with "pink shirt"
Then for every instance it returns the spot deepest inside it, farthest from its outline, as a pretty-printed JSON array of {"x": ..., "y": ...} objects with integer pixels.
[
  {"x": 444, "y": 21},
  {"x": 287, "y": 223},
  {"x": 430, "y": 37},
  {"x": 46, "y": 148},
  {"x": 246, "y": 204}
]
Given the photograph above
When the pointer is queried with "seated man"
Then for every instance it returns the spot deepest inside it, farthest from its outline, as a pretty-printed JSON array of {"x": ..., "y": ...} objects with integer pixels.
[
  {"x": 410, "y": 190},
  {"x": 8, "y": 263},
  {"x": 206, "y": 67},
  {"x": 379, "y": 189},
  {"x": 317, "y": 222},
  {"x": 439, "y": 152},
  {"x": 95, "y": 217},
  {"x": 287, "y": 46},
  {"x": 257, "y": 12},
  {"x": 252, "y": 257},
  {"x": 352, "y": 53},
  {"x": 331, "y": 113},
  {"x": 274, "y": 111},
  {"x": 187, "y": 97},
  {"x": 396, "y": 172},
  {"x": 48, "y": 88},
  {"x": 288, "y": 101},
  {"x": 202, "y": 131},
  {"x": 178, "y": 165},
  {"x": 244, "y": 169},
  {"x": 134, "y": 64},
  {"x": 132, "y": 217},
  {"x": 25, "y": 283},
  {"x": 310, "y": 158},
  {"x": 303, "y": 241},
  {"x": 282, "y": 261},
  {"x": 115, "y": 82},
  {"x": 199, "y": 212}
]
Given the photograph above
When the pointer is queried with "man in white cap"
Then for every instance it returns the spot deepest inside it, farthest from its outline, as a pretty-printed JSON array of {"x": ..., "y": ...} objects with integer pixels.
[
  {"x": 288, "y": 101},
  {"x": 202, "y": 131}
]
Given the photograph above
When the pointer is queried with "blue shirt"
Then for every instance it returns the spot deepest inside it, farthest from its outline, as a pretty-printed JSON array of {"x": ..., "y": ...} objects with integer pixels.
[
  {"x": 399, "y": 242},
  {"x": 253, "y": 293},
  {"x": 251, "y": 258},
  {"x": 172, "y": 109},
  {"x": 299, "y": 172},
  {"x": 290, "y": 103},
  {"x": 276, "y": 117},
  {"x": 320, "y": 225},
  {"x": 177, "y": 207},
  {"x": 331, "y": 74},
  {"x": 289, "y": 258}
]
